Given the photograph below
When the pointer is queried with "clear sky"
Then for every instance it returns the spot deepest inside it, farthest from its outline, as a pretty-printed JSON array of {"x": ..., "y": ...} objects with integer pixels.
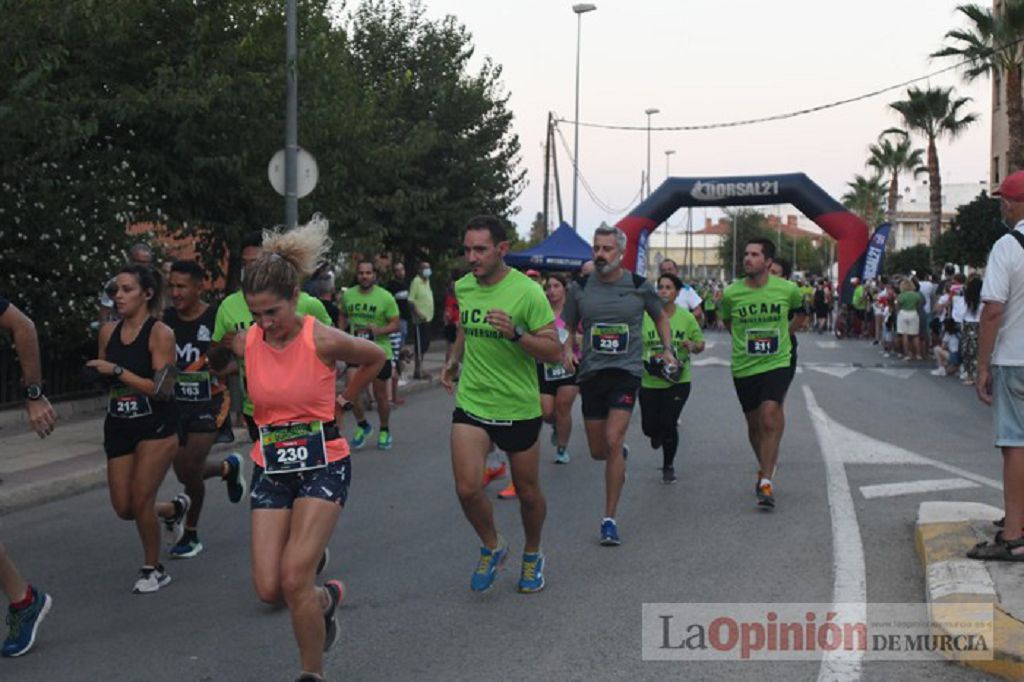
[{"x": 707, "y": 61}]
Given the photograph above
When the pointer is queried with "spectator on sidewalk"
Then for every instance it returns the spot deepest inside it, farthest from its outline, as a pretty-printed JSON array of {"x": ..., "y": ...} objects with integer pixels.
[
  {"x": 28, "y": 606},
  {"x": 947, "y": 353},
  {"x": 1001, "y": 366},
  {"x": 971, "y": 325},
  {"x": 399, "y": 288},
  {"x": 421, "y": 300},
  {"x": 908, "y": 321}
]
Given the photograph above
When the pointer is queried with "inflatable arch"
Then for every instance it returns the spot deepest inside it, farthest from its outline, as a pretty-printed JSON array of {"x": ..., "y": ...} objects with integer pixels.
[{"x": 849, "y": 231}]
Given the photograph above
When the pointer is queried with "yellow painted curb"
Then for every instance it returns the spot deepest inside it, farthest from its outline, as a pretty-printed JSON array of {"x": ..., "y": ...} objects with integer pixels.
[{"x": 949, "y": 542}]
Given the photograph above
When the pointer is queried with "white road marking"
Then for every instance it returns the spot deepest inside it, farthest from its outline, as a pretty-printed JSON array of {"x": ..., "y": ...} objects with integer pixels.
[
  {"x": 935, "y": 511},
  {"x": 831, "y": 345},
  {"x": 892, "y": 372},
  {"x": 705, "y": 362},
  {"x": 849, "y": 577},
  {"x": 915, "y": 487},
  {"x": 838, "y": 372}
]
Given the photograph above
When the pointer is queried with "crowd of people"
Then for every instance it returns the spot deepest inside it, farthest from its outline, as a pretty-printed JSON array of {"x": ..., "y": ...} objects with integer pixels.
[{"x": 521, "y": 348}]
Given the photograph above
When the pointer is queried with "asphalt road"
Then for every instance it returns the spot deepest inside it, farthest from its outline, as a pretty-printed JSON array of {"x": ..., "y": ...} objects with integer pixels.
[{"x": 406, "y": 553}]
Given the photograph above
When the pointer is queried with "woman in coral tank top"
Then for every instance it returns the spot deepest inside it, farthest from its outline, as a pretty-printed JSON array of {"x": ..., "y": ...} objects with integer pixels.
[{"x": 301, "y": 462}]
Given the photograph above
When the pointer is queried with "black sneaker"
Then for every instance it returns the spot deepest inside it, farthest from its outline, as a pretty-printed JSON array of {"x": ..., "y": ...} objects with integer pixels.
[
  {"x": 336, "y": 592},
  {"x": 668, "y": 475},
  {"x": 235, "y": 479}
]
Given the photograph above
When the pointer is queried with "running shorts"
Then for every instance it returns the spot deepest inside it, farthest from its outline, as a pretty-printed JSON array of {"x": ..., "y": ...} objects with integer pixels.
[
  {"x": 383, "y": 375},
  {"x": 510, "y": 436},
  {"x": 205, "y": 417},
  {"x": 608, "y": 389},
  {"x": 760, "y": 388},
  {"x": 551, "y": 387},
  {"x": 122, "y": 436},
  {"x": 279, "y": 491}
]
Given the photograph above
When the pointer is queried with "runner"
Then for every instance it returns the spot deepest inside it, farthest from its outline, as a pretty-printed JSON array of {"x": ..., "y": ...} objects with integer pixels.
[
  {"x": 28, "y": 605},
  {"x": 302, "y": 468},
  {"x": 505, "y": 325},
  {"x": 558, "y": 389},
  {"x": 233, "y": 316},
  {"x": 610, "y": 305},
  {"x": 399, "y": 288},
  {"x": 782, "y": 268},
  {"x": 370, "y": 312},
  {"x": 203, "y": 404},
  {"x": 662, "y": 398},
  {"x": 140, "y": 434},
  {"x": 756, "y": 311}
]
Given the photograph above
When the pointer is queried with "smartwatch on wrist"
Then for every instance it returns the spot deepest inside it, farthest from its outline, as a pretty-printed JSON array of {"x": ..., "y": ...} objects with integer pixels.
[
  {"x": 517, "y": 333},
  {"x": 33, "y": 392}
]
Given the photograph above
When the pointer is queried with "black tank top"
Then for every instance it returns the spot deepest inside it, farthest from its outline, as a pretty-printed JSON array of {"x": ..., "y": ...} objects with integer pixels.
[
  {"x": 134, "y": 357},
  {"x": 192, "y": 338}
]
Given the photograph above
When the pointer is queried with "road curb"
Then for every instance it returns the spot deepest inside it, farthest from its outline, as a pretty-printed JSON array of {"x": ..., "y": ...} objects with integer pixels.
[
  {"x": 93, "y": 476},
  {"x": 943, "y": 534}
]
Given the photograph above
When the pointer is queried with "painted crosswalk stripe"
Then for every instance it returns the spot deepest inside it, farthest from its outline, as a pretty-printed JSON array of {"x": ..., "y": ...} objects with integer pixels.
[{"x": 915, "y": 487}]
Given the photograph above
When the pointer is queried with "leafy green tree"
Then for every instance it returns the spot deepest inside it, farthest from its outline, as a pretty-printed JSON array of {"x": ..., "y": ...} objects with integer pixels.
[
  {"x": 991, "y": 46},
  {"x": 914, "y": 258},
  {"x": 975, "y": 229},
  {"x": 865, "y": 197},
  {"x": 893, "y": 155},
  {"x": 934, "y": 113}
]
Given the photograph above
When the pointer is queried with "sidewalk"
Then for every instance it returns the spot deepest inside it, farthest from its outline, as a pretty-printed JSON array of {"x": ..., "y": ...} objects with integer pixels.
[
  {"x": 944, "y": 533},
  {"x": 71, "y": 460}
]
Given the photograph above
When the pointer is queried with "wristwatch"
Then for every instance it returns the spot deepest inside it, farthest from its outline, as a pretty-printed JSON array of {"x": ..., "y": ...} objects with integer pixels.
[
  {"x": 33, "y": 392},
  {"x": 118, "y": 371},
  {"x": 517, "y": 333}
]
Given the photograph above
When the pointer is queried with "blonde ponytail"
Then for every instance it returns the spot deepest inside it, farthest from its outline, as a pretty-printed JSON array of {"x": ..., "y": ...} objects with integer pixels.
[{"x": 288, "y": 257}]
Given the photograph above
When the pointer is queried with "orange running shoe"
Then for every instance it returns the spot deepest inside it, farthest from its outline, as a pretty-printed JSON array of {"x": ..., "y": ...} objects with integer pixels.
[
  {"x": 491, "y": 473},
  {"x": 508, "y": 493},
  {"x": 766, "y": 495}
]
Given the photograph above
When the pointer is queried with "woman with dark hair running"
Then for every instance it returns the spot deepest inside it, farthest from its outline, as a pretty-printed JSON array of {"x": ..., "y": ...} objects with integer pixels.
[
  {"x": 302, "y": 467},
  {"x": 662, "y": 398},
  {"x": 972, "y": 325},
  {"x": 140, "y": 434},
  {"x": 558, "y": 389}
]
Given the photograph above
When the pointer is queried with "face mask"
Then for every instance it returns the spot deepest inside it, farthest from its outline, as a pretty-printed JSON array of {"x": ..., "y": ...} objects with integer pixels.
[{"x": 426, "y": 272}]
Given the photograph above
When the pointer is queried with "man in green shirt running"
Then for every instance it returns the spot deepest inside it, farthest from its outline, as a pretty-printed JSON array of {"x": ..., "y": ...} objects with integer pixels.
[
  {"x": 756, "y": 311},
  {"x": 505, "y": 326},
  {"x": 233, "y": 316},
  {"x": 371, "y": 313}
]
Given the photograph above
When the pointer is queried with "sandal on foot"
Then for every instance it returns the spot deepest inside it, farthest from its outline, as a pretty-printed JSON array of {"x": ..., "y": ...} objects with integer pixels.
[{"x": 997, "y": 550}]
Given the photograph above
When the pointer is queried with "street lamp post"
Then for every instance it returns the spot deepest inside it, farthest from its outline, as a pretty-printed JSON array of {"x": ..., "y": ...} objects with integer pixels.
[
  {"x": 580, "y": 9},
  {"x": 668, "y": 174},
  {"x": 650, "y": 112},
  {"x": 291, "y": 131}
]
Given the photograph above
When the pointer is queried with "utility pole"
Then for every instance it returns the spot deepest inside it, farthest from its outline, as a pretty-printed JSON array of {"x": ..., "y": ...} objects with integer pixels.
[
  {"x": 291, "y": 125},
  {"x": 547, "y": 173},
  {"x": 650, "y": 112}
]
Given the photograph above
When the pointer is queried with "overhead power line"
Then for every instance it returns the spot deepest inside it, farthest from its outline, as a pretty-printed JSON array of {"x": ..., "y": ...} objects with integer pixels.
[
  {"x": 589, "y": 190},
  {"x": 788, "y": 115}
]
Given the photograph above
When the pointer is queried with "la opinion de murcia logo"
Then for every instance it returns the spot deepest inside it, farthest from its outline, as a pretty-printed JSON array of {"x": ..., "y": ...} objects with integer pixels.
[{"x": 711, "y": 191}]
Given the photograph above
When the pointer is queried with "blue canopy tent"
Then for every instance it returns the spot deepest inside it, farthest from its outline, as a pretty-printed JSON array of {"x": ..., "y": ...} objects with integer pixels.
[{"x": 563, "y": 250}]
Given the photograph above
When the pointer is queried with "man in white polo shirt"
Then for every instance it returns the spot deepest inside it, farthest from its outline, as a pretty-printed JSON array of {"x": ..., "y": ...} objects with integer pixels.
[
  {"x": 1001, "y": 366},
  {"x": 688, "y": 297}
]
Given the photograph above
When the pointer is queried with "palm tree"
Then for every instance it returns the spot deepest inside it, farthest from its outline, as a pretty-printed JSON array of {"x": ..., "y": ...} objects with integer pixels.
[
  {"x": 991, "y": 46},
  {"x": 894, "y": 155},
  {"x": 865, "y": 197},
  {"x": 934, "y": 113}
]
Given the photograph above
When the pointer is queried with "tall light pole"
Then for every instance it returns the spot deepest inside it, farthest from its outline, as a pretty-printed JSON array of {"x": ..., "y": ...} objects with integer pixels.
[
  {"x": 291, "y": 126},
  {"x": 650, "y": 112},
  {"x": 580, "y": 9},
  {"x": 668, "y": 174}
]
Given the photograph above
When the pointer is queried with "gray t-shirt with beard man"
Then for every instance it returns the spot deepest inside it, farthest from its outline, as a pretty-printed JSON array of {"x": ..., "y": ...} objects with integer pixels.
[{"x": 612, "y": 315}]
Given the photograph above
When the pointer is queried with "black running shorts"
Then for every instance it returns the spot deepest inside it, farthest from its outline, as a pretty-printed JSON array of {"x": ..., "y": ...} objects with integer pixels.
[
  {"x": 203, "y": 417},
  {"x": 760, "y": 388},
  {"x": 608, "y": 389},
  {"x": 122, "y": 436},
  {"x": 510, "y": 436},
  {"x": 385, "y": 371}
]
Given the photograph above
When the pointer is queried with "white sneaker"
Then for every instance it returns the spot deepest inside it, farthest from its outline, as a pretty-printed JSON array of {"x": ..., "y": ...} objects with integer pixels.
[
  {"x": 174, "y": 527},
  {"x": 151, "y": 580},
  {"x": 937, "y": 372}
]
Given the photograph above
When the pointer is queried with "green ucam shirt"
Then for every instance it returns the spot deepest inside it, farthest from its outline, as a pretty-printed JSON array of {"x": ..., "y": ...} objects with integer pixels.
[
  {"x": 233, "y": 316},
  {"x": 859, "y": 303},
  {"x": 760, "y": 324},
  {"x": 375, "y": 307},
  {"x": 684, "y": 328},
  {"x": 499, "y": 379}
]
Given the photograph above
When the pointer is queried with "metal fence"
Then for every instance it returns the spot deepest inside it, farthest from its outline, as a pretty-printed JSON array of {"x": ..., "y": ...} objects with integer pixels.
[{"x": 62, "y": 374}]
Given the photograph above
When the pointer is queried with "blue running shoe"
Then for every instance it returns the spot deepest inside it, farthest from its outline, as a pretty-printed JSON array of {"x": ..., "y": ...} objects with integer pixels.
[
  {"x": 487, "y": 570},
  {"x": 531, "y": 578},
  {"x": 23, "y": 624},
  {"x": 384, "y": 440},
  {"x": 186, "y": 549},
  {"x": 361, "y": 434},
  {"x": 562, "y": 456},
  {"x": 610, "y": 533},
  {"x": 235, "y": 479}
]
